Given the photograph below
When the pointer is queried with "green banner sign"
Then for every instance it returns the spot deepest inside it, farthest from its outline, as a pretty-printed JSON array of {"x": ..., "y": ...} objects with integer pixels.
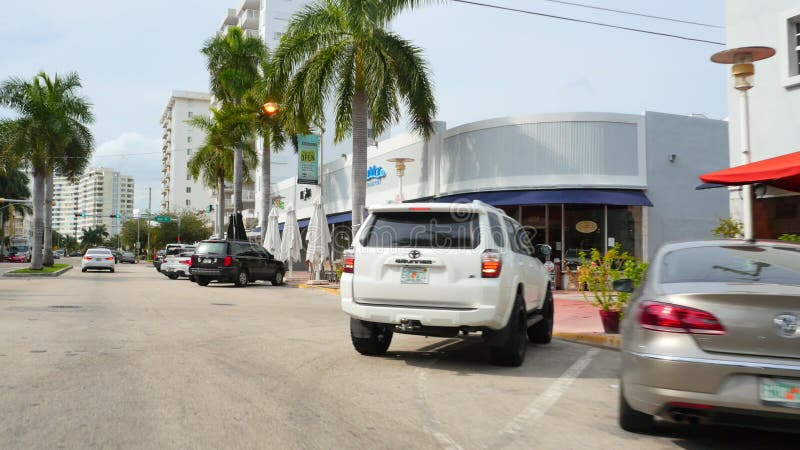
[
  {"x": 162, "y": 219},
  {"x": 308, "y": 159}
]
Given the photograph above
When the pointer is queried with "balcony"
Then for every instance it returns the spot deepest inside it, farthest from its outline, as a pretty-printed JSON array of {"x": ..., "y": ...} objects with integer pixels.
[
  {"x": 251, "y": 33},
  {"x": 248, "y": 19}
]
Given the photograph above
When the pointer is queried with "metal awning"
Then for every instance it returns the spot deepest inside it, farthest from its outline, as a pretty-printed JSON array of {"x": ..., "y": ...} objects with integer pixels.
[{"x": 624, "y": 197}]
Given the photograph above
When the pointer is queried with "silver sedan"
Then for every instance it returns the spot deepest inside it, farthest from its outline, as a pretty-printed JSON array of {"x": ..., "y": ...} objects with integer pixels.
[
  {"x": 97, "y": 259},
  {"x": 712, "y": 337}
]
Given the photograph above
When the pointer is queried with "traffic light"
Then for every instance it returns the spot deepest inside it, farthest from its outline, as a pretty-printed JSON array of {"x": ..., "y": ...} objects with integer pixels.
[
  {"x": 114, "y": 216},
  {"x": 80, "y": 214},
  {"x": 305, "y": 194}
]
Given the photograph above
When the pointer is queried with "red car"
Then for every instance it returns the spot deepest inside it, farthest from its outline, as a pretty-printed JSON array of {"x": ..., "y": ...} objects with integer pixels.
[{"x": 19, "y": 257}]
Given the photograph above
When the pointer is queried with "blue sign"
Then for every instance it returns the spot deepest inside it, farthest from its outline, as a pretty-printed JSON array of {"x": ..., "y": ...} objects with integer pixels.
[{"x": 374, "y": 175}]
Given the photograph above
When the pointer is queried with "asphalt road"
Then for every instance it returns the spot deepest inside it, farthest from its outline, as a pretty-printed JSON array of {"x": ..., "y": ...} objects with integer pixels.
[{"x": 135, "y": 360}]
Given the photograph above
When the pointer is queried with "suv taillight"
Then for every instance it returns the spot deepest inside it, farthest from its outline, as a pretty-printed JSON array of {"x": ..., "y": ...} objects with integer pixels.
[
  {"x": 678, "y": 319},
  {"x": 349, "y": 262},
  {"x": 491, "y": 264},
  {"x": 227, "y": 261}
]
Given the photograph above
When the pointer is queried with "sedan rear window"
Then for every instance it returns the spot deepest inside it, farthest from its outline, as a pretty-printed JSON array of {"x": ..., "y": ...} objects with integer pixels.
[
  {"x": 423, "y": 230},
  {"x": 733, "y": 264},
  {"x": 212, "y": 248}
]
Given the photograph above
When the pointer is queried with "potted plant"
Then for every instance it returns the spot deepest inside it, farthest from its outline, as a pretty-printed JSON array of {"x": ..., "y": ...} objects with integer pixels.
[{"x": 598, "y": 272}]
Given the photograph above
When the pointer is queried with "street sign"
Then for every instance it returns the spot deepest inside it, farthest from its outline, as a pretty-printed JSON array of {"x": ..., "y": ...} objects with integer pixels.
[{"x": 162, "y": 219}]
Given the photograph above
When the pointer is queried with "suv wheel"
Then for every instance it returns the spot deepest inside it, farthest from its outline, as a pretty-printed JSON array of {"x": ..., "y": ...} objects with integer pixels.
[
  {"x": 512, "y": 352},
  {"x": 202, "y": 281},
  {"x": 542, "y": 331},
  {"x": 278, "y": 279},
  {"x": 380, "y": 336},
  {"x": 630, "y": 419},
  {"x": 242, "y": 278}
]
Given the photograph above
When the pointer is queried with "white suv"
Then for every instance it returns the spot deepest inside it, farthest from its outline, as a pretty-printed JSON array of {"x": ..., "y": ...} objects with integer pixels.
[{"x": 440, "y": 269}]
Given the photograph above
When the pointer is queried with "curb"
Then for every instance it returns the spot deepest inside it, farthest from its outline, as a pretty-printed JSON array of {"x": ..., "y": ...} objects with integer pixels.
[
  {"x": 608, "y": 341},
  {"x": 37, "y": 275},
  {"x": 331, "y": 291}
]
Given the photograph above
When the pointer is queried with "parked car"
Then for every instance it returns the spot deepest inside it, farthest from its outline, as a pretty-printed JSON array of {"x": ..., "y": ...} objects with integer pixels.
[
  {"x": 159, "y": 258},
  {"x": 74, "y": 254},
  {"x": 57, "y": 254},
  {"x": 19, "y": 256},
  {"x": 238, "y": 262},
  {"x": 98, "y": 259},
  {"x": 128, "y": 257},
  {"x": 437, "y": 269},
  {"x": 712, "y": 336},
  {"x": 175, "y": 266}
]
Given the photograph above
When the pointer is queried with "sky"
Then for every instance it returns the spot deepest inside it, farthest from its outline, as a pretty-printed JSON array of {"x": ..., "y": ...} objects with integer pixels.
[{"x": 485, "y": 63}]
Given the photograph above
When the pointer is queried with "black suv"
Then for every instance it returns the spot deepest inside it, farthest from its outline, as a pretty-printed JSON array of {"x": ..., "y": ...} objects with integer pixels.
[{"x": 237, "y": 262}]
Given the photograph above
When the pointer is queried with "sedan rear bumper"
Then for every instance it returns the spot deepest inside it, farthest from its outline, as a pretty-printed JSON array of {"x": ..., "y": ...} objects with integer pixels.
[{"x": 654, "y": 383}]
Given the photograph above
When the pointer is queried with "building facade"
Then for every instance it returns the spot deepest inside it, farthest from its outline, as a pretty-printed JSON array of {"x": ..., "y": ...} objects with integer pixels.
[
  {"x": 102, "y": 196},
  {"x": 774, "y": 104},
  {"x": 179, "y": 191},
  {"x": 576, "y": 180}
]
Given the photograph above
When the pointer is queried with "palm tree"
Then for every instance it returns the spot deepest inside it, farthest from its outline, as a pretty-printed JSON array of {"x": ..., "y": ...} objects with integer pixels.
[
  {"x": 49, "y": 134},
  {"x": 94, "y": 236},
  {"x": 13, "y": 184},
  {"x": 341, "y": 49},
  {"x": 227, "y": 128},
  {"x": 233, "y": 61}
]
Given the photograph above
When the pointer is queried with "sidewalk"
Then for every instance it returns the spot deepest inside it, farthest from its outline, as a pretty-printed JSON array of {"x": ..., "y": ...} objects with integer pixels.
[{"x": 575, "y": 318}]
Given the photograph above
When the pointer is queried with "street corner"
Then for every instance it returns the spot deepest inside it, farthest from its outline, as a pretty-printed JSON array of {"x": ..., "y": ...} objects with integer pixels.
[{"x": 608, "y": 341}]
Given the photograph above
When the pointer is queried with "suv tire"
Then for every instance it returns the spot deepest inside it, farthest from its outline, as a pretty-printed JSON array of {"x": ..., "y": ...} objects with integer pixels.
[
  {"x": 512, "y": 352},
  {"x": 202, "y": 281},
  {"x": 277, "y": 280},
  {"x": 542, "y": 331},
  {"x": 377, "y": 343},
  {"x": 630, "y": 419},
  {"x": 242, "y": 278}
]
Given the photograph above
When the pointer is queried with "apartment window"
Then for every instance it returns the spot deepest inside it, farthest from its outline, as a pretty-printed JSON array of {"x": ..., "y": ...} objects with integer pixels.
[
  {"x": 796, "y": 45},
  {"x": 190, "y": 114},
  {"x": 188, "y": 190},
  {"x": 188, "y": 177},
  {"x": 789, "y": 48},
  {"x": 277, "y": 35},
  {"x": 188, "y": 152},
  {"x": 188, "y": 202}
]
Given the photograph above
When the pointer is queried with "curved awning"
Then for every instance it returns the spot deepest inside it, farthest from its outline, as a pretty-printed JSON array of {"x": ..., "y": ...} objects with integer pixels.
[
  {"x": 624, "y": 197},
  {"x": 781, "y": 172}
]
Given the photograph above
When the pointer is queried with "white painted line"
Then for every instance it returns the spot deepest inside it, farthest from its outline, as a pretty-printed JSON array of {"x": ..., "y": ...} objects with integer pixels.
[
  {"x": 434, "y": 426},
  {"x": 544, "y": 402}
]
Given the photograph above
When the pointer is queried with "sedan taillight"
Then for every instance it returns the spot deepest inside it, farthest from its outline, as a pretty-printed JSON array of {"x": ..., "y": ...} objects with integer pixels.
[
  {"x": 671, "y": 318},
  {"x": 86, "y": 258},
  {"x": 188, "y": 262},
  {"x": 491, "y": 264},
  {"x": 110, "y": 258}
]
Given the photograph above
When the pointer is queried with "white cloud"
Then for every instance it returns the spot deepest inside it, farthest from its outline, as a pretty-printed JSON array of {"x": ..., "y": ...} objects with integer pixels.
[{"x": 138, "y": 156}]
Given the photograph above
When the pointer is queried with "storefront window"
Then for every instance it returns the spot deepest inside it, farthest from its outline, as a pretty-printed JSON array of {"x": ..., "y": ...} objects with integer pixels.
[
  {"x": 624, "y": 228},
  {"x": 583, "y": 231},
  {"x": 533, "y": 222}
]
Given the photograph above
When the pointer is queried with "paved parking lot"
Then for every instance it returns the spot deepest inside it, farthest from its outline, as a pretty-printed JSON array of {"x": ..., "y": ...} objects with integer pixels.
[{"x": 135, "y": 360}]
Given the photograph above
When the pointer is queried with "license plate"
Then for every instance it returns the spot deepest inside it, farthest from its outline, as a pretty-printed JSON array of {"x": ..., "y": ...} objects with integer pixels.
[
  {"x": 207, "y": 260},
  {"x": 780, "y": 391},
  {"x": 98, "y": 259},
  {"x": 414, "y": 275}
]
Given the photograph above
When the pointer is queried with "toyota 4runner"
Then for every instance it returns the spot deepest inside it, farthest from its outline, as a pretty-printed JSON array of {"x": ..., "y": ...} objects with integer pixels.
[{"x": 444, "y": 270}]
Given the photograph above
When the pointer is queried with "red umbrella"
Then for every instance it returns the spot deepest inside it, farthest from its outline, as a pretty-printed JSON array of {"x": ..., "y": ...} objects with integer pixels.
[{"x": 782, "y": 172}]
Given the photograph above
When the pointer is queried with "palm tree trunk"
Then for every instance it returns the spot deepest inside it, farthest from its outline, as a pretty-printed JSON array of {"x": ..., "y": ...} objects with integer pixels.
[
  {"x": 265, "y": 186},
  {"x": 220, "y": 207},
  {"x": 359, "y": 175},
  {"x": 238, "y": 176},
  {"x": 38, "y": 217},
  {"x": 48, "y": 222}
]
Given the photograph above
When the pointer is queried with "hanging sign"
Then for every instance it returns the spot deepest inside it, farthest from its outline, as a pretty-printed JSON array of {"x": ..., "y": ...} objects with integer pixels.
[
  {"x": 308, "y": 159},
  {"x": 586, "y": 226}
]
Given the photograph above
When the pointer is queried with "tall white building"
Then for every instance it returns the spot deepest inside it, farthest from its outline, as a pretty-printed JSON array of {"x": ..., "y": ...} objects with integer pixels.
[
  {"x": 179, "y": 191},
  {"x": 100, "y": 195}
]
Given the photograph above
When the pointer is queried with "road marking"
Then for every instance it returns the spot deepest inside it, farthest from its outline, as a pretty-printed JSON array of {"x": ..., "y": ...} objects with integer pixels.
[
  {"x": 537, "y": 408},
  {"x": 434, "y": 426}
]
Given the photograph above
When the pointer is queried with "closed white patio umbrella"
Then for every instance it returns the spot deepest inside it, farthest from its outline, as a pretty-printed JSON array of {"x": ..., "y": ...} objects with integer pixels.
[
  {"x": 318, "y": 239},
  {"x": 272, "y": 238},
  {"x": 291, "y": 243}
]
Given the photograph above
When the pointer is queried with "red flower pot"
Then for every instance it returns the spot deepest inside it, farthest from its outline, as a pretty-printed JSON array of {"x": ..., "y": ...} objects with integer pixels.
[{"x": 610, "y": 321}]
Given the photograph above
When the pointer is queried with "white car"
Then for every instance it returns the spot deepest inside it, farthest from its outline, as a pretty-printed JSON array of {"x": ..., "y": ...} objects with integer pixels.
[
  {"x": 98, "y": 259},
  {"x": 175, "y": 266},
  {"x": 439, "y": 269}
]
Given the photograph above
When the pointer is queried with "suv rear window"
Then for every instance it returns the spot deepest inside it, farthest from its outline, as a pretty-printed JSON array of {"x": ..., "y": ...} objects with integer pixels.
[
  {"x": 733, "y": 264},
  {"x": 212, "y": 248},
  {"x": 423, "y": 229}
]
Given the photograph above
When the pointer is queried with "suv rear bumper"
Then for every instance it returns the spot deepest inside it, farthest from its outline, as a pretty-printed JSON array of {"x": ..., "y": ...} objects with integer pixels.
[
  {"x": 484, "y": 316},
  {"x": 226, "y": 274}
]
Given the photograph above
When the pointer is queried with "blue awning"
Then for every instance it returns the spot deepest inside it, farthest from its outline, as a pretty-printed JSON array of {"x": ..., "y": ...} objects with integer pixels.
[
  {"x": 624, "y": 197},
  {"x": 340, "y": 218}
]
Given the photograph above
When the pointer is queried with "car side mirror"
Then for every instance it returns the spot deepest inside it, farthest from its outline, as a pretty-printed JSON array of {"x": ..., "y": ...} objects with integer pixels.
[
  {"x": 623, "y": 285},
  {"x": 543, "y": 250}
]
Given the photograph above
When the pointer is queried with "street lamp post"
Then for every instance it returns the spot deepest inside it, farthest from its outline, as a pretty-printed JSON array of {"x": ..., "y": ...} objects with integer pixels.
[
  {"x": 743, "y": 70},
  {"x": 400, "y": 166}
]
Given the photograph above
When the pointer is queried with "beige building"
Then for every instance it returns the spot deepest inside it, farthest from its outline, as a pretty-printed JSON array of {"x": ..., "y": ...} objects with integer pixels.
[{"x": 102, "y": 196}]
